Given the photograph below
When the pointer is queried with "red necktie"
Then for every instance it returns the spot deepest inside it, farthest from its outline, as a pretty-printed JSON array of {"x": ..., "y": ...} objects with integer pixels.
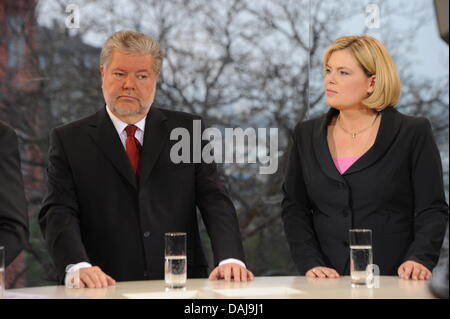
[{"x": 133, "y": 148}]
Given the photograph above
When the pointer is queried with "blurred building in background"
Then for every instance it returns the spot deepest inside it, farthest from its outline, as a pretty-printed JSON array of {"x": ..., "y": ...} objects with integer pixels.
[{"x": 18, "y": 43}]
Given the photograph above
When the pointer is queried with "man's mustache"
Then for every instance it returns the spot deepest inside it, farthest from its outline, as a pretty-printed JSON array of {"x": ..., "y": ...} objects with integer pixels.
[{"x": 126, "y": 95}]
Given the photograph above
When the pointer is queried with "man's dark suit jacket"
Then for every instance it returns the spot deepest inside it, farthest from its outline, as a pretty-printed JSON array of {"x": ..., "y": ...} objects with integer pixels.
[
  {"x": 13, "y": 205},
  {"x": 395, "y": 189},
  {"x": 439, "y": 281},
  {"x": 95, "y": 209}
]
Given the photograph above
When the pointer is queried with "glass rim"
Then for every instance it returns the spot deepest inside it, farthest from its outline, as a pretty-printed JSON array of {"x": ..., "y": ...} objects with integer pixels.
[
  {"x": 360, "y": 230},
  {"x": 175, "y": 234}
]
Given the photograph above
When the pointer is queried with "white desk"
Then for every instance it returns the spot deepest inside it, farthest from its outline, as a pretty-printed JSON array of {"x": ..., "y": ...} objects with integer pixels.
[{"x": 260, "y": 288}]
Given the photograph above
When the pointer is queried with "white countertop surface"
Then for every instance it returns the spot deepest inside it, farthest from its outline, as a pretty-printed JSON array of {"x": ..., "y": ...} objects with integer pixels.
[{"x": 260, "y": 288}]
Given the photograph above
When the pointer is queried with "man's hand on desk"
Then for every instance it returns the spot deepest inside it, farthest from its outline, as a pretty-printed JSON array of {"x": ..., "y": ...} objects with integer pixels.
[
  {"x": 413, "y": 270},
  {"x": 231, "y": 271},
  {"x": 94, "y": 277}
]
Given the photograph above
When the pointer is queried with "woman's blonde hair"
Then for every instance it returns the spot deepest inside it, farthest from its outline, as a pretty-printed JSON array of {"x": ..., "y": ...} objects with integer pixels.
[
  {"x": 374, "y": 59},
  {"x": 132, "y": 42}
]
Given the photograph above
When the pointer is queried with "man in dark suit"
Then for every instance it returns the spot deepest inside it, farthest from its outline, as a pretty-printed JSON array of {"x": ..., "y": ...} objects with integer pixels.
[
  {"x": 13, "y": 205},
  {"x": 113, "y": 190},
  {"x": 439, "y": 282}
]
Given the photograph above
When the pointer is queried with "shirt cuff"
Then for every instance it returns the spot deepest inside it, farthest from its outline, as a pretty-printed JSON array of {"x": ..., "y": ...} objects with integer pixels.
[
  {"x": 75, "y": 267},
  {"x": 232, "y": 260},
  {"x": 72, "y": 279}
]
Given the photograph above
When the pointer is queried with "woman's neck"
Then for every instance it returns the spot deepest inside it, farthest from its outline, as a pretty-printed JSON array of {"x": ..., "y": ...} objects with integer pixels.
[{"x": 356, "y": 118}]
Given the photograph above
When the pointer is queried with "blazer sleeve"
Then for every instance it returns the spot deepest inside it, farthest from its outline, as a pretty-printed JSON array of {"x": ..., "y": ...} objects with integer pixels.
[
  {"x": 218, "y": 212},
  {"x": 296, "y": 214},
  {"x": 13, "y": 205},
  {"x": 58, "y": 218},
  {"x": 430, "y": 207}
]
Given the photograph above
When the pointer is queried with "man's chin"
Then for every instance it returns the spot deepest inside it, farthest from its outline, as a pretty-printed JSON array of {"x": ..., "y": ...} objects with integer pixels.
[{"x": 128, "y": 110}]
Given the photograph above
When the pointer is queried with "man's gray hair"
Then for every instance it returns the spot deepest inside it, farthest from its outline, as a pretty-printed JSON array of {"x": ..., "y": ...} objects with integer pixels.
[{"x": 132, "y": 42}]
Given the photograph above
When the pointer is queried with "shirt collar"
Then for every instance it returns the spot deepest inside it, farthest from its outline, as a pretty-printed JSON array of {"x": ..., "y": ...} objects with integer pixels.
[{"x": 120, "y": 125}]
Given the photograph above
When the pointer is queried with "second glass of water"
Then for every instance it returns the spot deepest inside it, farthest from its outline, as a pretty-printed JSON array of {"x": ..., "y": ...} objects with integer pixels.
[
  {"x": 175, "y": 265},
  {"x": 361, "y": 258}
]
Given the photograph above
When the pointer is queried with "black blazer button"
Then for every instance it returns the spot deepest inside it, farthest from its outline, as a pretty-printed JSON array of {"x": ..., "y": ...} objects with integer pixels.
[
  {"x": 345, "y": 213},
  {"x": 147, "y": 234}
]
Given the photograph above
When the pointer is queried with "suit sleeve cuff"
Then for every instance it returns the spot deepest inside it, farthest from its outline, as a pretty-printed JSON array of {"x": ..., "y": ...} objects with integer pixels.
[{"x": 232, "y": 260}]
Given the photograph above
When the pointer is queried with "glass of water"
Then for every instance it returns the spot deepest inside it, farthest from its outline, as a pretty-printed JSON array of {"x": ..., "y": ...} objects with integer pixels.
[
  {"x": 361, "y": 259},
  {"x": 2, "y": 272},
  {"x": 175, "y": 265}
]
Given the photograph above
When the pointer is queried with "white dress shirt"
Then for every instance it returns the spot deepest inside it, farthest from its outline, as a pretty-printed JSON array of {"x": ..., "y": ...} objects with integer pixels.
[
  {"x": 120, "y": 128},
  {"x": 71, "y": 270}
]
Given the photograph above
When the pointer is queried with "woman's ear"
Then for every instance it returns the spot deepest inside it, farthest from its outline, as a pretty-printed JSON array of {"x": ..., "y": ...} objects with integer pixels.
[{"x": 372, "y": 81}]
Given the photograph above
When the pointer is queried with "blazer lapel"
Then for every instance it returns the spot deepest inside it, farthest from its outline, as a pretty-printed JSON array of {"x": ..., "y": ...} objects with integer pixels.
[
  {"x": 321, "y": 149},
  {"x": 156, "y": 136},
  {"x": 389, "y": 128},
  {"x": 105, "y": 136}
]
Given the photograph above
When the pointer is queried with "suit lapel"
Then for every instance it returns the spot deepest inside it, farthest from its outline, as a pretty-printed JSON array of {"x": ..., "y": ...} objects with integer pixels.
[
  {"x": 321, "y": 149},
  {"x": 389, "y": 128},
  {"x": 104, "y": 134},
  {"x": 156, "y": 136}
]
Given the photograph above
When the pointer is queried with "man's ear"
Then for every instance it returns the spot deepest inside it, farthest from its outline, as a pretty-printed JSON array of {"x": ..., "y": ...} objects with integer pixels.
[{"x": 101, "y": 70}]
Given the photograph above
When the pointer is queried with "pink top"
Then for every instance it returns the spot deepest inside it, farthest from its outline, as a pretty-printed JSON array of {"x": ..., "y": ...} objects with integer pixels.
[{"x": 343, "y": 163}]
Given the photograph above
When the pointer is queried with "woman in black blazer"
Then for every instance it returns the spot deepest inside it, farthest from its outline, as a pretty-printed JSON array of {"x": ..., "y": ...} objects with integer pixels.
[{"x": 364, "y": 165}]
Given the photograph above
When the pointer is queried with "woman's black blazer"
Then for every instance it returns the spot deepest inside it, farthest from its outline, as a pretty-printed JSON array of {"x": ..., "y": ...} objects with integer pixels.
[{"x": 395, "y": 189}]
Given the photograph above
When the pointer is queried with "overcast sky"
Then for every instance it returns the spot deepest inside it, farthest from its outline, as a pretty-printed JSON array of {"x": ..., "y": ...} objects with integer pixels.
[{"x": 431, "y": 52}]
